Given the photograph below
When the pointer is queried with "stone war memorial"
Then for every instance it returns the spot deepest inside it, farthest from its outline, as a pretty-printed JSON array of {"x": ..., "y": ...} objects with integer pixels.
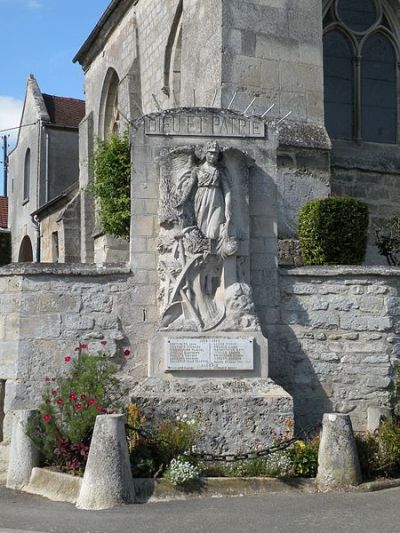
[{"x": 234, "y": 122}]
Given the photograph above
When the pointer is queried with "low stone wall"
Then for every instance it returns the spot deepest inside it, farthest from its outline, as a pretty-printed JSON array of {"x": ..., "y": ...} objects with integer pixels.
[
  {"x": 337, "y": 340},
  {"x": 334, "y": 338},
  {"x": 45, "y": 311}
]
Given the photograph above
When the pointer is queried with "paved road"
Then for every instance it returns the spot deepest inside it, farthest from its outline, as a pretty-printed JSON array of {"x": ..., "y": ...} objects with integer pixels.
[{"x": 377, "y": 512}]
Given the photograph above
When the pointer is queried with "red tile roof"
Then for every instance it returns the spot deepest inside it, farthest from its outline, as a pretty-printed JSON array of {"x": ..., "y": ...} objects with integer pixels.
[
  {"x": 3, "y": 212},
  {"x": 64, "y": 111}
]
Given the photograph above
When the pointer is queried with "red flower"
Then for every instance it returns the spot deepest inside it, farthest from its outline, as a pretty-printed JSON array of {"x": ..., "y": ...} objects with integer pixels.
[
  {"x": 91, "y": 401},
  {"x": 47, "y": 418},
  {"x": 83, "y": 396},
  {"x": 78, "y": 406},
  {"x": 83, "y": 346},
  {"x": 59, "y": 401},
  {"x": 67, "y": 359},
  {"x": 103, "y": 343},
  {"x": 127, "y": 352},
  {"x": 101, "y": 409},
  {"x": 73, "y": 396},
  {"x": 54, "y": 393}
]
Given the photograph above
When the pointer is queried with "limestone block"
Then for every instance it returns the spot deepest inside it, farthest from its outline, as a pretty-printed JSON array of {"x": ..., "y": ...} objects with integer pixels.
[
  {"x": 23, "y": 454},
  {"x": 234, "y": 415},
  {"x": 338, "y": 463},
  {"x": 107, "y": 481},
  {"x": 376, "y": 415}
]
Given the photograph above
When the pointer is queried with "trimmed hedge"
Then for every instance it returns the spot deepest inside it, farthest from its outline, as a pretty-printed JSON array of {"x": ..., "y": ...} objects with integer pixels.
[{"x": 333, "y": 231}]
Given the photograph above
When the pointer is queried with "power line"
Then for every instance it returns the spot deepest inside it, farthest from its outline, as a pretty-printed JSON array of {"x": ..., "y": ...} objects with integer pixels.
[{"x": 18, "y": 127}]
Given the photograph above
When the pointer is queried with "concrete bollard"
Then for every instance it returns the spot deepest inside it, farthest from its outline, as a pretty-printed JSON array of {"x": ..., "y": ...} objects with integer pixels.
[
  {"x": 23, "y": 454},
  {"x": 338, "y": 463},
  {"x": 107, "y": 481}
]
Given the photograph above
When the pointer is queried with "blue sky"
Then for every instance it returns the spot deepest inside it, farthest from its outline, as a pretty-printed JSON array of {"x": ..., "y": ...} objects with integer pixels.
[{"x": 42, "y": 37}]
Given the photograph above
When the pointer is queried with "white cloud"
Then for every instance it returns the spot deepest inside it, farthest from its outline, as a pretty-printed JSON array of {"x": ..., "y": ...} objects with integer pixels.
[{"x": 10, "y": 115}]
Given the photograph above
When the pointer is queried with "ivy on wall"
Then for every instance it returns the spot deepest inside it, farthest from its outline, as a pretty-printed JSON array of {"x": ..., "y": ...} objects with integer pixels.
[{"x": 111, "y": 187}]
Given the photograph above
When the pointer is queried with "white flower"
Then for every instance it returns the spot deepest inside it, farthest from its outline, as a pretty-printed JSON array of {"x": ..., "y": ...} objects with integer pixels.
[{"x": 180, "y": 471}]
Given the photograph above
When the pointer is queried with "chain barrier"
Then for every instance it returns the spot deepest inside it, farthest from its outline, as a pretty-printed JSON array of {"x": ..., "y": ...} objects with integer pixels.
[{"x": 243, "y": 456}]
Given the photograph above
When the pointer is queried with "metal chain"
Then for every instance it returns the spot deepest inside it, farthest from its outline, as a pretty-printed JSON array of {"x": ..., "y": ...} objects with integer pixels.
[{"x": 229, "y": 457}]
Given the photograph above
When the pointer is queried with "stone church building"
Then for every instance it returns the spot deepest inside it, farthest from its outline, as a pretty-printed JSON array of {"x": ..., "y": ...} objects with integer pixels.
[
  {"x": 239, "y": 111},
  {"x": 333, "y": 65}
]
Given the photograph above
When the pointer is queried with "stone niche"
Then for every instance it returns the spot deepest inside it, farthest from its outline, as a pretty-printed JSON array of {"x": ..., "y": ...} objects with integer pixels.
[{"x": 204, "y": 233}]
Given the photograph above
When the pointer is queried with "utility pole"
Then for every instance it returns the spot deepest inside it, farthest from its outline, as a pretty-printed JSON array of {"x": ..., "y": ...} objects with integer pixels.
[{"x": 5, "y": 162}]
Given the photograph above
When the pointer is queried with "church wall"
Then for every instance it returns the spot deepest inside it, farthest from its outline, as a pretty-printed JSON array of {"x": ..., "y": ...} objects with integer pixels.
[
  {"x": 368, "y": 172},
  {"x": 19, "y": 212}
]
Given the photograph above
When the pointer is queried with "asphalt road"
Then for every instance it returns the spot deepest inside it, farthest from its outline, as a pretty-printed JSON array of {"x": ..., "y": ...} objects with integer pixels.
[{"x": 377, "y": 512}]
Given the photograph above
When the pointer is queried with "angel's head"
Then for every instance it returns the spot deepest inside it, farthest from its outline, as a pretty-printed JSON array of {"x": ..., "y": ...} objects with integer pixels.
[{"x": 213, "y": 151}]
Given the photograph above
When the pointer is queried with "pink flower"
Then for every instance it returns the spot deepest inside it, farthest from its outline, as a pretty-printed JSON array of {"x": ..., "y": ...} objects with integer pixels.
[
  {"x": 59, "y": 401},
  {"x": 91, "y": 401},
  {"x": 47, "y": 418},
  {"x": 73, "y": 396},
  {"x": 127, "y": 352},
  {"x": 103, "y": 343},
  {"x": 67, "y": 359},
  {"x": 78, "y": 406}
]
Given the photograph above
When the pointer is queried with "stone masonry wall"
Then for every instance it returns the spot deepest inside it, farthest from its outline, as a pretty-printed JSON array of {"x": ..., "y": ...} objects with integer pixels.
[{"x": 337, "y": 342}]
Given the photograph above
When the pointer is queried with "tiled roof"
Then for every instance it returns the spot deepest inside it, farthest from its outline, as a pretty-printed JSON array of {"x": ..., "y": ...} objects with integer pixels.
[
  {"x": 3, "y": 212},
  {"x": 64, "y": 111}
]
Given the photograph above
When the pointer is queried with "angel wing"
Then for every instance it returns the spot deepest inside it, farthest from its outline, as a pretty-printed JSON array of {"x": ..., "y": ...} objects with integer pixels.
[{"x": 176, "y": 183}]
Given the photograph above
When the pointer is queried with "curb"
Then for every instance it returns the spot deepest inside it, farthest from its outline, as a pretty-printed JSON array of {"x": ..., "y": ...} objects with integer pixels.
[{"x": 60, "y": 487}]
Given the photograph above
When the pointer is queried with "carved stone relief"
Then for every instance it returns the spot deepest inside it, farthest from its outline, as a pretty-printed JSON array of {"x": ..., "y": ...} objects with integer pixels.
[{"x": 203, "y": 243}]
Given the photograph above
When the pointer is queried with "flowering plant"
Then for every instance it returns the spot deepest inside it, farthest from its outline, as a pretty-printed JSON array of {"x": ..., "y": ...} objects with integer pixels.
[
  {"x": 181, "y": 471},
  {"x": 69, "y": 408}
]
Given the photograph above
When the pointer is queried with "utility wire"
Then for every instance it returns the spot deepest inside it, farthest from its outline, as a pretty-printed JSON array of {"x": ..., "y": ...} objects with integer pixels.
[{"x": 18, "y": 127}]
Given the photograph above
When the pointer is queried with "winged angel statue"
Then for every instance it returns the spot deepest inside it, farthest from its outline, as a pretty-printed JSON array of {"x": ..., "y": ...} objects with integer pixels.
[{"x": 196, "y": 238}]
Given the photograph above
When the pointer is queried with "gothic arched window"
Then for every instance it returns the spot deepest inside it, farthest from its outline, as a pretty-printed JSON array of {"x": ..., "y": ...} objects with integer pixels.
[
  {"x": 109, "y": 106},
  {"x": 27, "y": 175},
  {"x": 360, "y": 72}
]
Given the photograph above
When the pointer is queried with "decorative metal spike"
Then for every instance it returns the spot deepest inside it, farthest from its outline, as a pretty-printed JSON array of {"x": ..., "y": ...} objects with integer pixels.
[
  {"x": 268, "y": 110},
  {"x": 233, "y": 99},
  {"x": 194, "y": 97},
  {"x": 250, "y": 104},
  {"x": 156, "y": 102},
  {"x": 215, "y": 97},
  {"x": 282, "y": 119}
]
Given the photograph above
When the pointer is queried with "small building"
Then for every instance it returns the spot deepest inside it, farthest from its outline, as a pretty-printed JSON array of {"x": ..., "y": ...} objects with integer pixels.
[{"x": 44, "y": 178}]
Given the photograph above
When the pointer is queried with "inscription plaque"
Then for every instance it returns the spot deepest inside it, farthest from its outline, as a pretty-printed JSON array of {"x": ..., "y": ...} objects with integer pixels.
[
  {"x": 205, "y": 126},
  {"x": 217, "y": 353}
]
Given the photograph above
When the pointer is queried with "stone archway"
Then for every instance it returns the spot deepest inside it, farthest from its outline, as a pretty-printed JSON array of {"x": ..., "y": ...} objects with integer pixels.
[{"x": 25, "y": 252}]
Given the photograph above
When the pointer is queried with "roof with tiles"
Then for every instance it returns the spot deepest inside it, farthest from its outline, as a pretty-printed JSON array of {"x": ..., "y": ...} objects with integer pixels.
[
  {"x": 62, "y": 111},
  {"x": 3, "y": 212}
]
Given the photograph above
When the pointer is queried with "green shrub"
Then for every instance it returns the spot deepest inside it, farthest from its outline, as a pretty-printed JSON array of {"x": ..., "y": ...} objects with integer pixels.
[
  {"x": 388, "y": 240},
  {"x": 304, "y": 455},
  {"x": 333, "y": 231},
  {"x": 112, "y": 169},
  {"x": 379, "y": 452},
  {"x": 153, "y": 445},
  {"x": 69, "y": 409}
]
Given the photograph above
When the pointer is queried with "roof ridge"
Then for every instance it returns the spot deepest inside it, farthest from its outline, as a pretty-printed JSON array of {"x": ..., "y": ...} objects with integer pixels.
[{"x": 64, "y": 97}]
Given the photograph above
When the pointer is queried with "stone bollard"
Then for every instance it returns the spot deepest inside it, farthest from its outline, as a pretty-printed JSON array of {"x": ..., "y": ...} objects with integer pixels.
[
  {"x": 107, "y": 481},
  {"x": 23, "y": 454},
  {"x": 338, "y": 463}
]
